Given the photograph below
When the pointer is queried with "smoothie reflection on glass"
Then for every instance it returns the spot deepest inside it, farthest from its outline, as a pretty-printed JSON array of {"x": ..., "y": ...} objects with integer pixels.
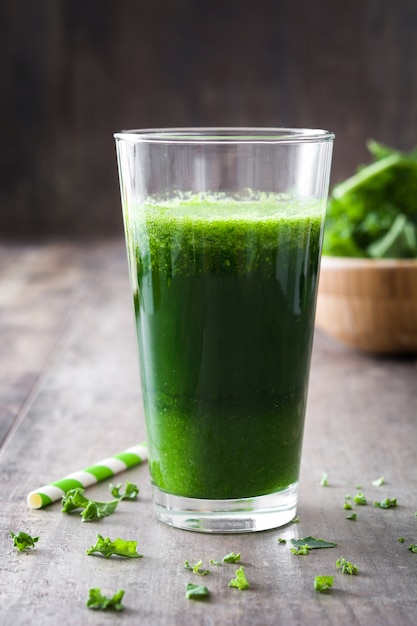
[{"x": 223, "y": 232}]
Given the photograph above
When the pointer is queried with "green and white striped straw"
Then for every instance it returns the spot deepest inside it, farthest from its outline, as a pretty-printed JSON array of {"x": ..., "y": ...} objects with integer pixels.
[{"x": 89, "y": 476}]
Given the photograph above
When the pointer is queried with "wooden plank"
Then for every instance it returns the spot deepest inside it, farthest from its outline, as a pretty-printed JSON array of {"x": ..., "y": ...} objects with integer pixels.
[
  {"x": 40, "y": 288},
  {"x": 360, "y": 425}
]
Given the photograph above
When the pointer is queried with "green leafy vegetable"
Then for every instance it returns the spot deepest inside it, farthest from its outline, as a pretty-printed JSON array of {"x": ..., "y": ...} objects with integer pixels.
[
  {"x": 119, "y": 547},
  {"x": 401, "y": 539},
  {"x": 413, "y": 548},
  {"x": 281, "y": 540},
  {"x": 347, "y": 505},
  {"x": 214, "y": 562},
  {"x": 99, "y": 602},
  {"x": 196, "y": 569},
  {"x": 360, "y": 499},
  {"x": 22, "y": 541},
  {"x": 296, "y": 520},
  {"x": 374, "y": 213},
  {"x": 352, "y": 517},
  {"x": 379, "y": 151},
  {"x": 378, "y": 481},
  {"x": 233, "y": 557},
  {"x": 312, "y": 543},
  {"x": 131, "y": 491},
  {"x": 346, "y": 566},
  {"x": 240, "y": 582},
  {"x": 388, "y": 503},
  {"x": 92, "y": 510},
  {"x": 196, "y": 592},
  {"x": 323, "y": 583}
]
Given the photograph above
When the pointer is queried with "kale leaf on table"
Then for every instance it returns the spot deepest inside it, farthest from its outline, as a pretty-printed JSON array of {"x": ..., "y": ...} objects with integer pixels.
[{"x": 374, "y": 212}]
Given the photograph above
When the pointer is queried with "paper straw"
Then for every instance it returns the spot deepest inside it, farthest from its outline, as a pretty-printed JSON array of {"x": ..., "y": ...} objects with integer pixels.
[{"x": 89, "y": 476}]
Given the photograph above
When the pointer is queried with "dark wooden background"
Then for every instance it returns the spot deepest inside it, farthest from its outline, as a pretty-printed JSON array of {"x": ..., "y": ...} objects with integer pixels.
[{"x": 75, "y": 71}]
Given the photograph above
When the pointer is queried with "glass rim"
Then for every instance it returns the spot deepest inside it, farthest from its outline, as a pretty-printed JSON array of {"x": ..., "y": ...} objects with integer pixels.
[{"x": 225, "y": 135}]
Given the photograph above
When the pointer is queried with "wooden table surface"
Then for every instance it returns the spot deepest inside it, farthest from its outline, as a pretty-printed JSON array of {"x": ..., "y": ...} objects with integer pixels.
[{"x": 69, "y": 396}]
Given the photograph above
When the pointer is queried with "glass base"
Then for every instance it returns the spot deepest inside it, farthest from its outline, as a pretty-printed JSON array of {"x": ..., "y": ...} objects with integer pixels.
[{"x": 226, "y": 516}]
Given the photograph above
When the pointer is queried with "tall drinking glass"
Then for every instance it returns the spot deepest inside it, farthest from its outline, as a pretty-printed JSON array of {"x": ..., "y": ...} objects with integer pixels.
[{"x": 223, "y": 231}]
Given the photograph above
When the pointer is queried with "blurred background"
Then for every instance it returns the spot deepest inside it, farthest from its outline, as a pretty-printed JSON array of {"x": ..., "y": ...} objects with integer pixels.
[{"x": 75, "y": 71}]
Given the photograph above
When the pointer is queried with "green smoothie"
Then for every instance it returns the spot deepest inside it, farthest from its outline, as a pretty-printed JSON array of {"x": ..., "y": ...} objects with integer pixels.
[{"x": 224, "y": 293}]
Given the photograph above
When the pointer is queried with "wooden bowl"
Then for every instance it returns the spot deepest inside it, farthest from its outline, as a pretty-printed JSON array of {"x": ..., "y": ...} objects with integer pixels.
[{"x": 369, "y": 304}]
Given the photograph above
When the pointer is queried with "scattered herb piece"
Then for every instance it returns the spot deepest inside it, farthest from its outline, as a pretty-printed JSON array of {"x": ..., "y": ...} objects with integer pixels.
[
  {"x": 401, "y": 539},
  {"x": 96, "y": 510},
  {"x": 92, "y": 510},
  {"x": 324, "y": 480},
  {"x": 281, "y": 540},
  {"x": 313, "y": 543},
  {"x": 323, "y": 583},
  {"x": 131, "y": 491},
  {"x": 99, "y": 602},
  {"x": 196, "y": 569},
  {"x": 387, "y": 503},
  {"x": 301, "y": 550},
  {"x": 360, "y": 498},
  {"x": 233, "y": 557},
  {"x": 346, "y": 566},
  {"x": 196, "y": 592},
  {"x": 347, "y": 506},
  {"x": 352, "y": 517},
  {"x": 358, "y": 486},
  {"x": 120, "y": 547},
  {"x": 413, "y": 548},
  {"x": 73, "y": 500},
  {"x": 378, "y": 481},
  {"x": 240, "y": 582},
  {"x": 214, "y": 562},
  {"x": 297, "y": 519},
  {"x": 22, "y": 541}
]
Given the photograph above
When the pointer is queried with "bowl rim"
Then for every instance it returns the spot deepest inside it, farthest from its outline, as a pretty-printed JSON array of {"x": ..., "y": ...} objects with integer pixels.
[{"x": 335, "y": 262}]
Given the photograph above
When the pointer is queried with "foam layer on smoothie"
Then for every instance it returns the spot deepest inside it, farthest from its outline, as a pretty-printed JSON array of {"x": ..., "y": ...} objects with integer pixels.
[{"x": 218, "y": 233}]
